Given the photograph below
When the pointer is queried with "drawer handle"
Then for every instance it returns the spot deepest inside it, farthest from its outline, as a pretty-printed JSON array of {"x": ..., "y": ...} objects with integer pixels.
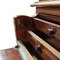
[
  {"x": 51, "y": 31},
  {"x": 38, "y": 47}
]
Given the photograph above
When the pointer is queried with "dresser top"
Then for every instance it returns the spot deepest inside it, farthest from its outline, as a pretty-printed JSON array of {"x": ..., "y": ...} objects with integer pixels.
[{"x": 47, "y": 3}]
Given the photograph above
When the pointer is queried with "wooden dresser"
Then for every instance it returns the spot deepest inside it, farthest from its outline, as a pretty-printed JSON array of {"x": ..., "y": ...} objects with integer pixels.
[{"x": 42, "y": 31}]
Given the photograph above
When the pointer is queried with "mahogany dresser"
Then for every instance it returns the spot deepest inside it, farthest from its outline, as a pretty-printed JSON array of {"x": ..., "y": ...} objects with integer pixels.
[{"x": 41, "y": 33}]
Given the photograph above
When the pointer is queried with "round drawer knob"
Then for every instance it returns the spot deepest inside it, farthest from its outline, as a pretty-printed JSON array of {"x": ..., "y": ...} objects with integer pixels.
[{"x": 51, "y": 31}]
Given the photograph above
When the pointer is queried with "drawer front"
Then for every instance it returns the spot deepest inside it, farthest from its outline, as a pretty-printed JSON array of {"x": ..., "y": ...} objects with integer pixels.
[
  {"x": 22, "y": 23},
  {"x": 33, "y": 42},
  {"x": 49, "y": 29},
  {"x": 52, "y": 11},
  {"x": 44, "y": 53}
]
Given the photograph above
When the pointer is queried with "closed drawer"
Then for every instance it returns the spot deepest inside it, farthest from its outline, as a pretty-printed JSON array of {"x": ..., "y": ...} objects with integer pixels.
[
  {"x": 48, "y": 28},
  {"x": 52, "y": 11}
]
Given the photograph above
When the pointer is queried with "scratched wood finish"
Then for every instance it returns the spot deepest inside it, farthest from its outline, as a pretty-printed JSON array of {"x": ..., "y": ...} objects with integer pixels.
[{"x": 10, "y": 54}]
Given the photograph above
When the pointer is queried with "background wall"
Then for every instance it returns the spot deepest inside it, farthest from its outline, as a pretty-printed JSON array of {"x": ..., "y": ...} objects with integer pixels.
[
  {"x": 8, "y": 10},
  {"x": 23, "y": 7}
]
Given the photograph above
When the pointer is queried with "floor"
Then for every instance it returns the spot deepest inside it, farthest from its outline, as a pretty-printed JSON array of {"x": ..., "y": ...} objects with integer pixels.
[{"x": 24, "y": 52}]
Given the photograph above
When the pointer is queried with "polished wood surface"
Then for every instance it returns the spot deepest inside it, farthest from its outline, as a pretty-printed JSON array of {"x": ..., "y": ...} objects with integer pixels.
[
  {"x": 44, "y": 49},
  {"x": 49, "y": 17},
  {"x": 45, "y": 38},
  {"x": 10, "y": 54},
  {"x": 33, "y": 42},
  {"x": 44, "y": 26},
  {"x": 50, "y": 45},
  {"x": 22, "y": 23},
  {"x": 24, "y": 51},
  {"x": 40, "y": 34},
  {"x": 20, "y": 33},
  {"x": 46, "y": 3},
  {"x": 52, "y": 7},
  {"x": 53, "y": 11},
  {"x": 54, "y": 36}
]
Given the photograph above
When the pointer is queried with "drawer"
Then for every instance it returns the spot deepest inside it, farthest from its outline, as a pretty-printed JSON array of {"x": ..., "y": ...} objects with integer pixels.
[
  {"x": 52, "y": 11},
  {"x": 32, "y": 41},
  {"x": 48, "y": 28},
  {"x": 10, "y": 54},
  {"x": 43, "y": 48}
]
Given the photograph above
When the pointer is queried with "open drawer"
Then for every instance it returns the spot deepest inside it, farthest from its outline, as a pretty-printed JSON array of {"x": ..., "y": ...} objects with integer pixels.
[{"x": 43, "y": 48}]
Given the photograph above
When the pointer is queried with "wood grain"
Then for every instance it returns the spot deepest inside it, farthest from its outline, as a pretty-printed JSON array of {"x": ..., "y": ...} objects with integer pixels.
[
  {"x": 46, "y": 45},
  {"x": 10, "y": 54},
  {"x": 22, "y": 23},
  {"x": 49, "y": 17},
  {"x": 45, "y": 25},
  {"x": 46, "y": 3},
  {"x": 48, "y": 11}
]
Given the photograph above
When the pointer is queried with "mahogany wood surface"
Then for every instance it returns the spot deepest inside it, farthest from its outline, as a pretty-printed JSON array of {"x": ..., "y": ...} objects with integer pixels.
[
  {"x": 46, "y": 3},
  {"x": 52, "y": 11},
  {"x": 48, "y": 17},
  {"x": 48, "y": 7},
  {"x": 54, "y": 39},
  {"x": 22, "y": 23},
  {"x": 10, "y": 54},
  {"x": 41, "y": 25},
  {"x": 20, "y": 33},
  {"x": 44, "y": 26},
  {"x": 31, "y": 40},
  {"x": 44, "y": 53}
]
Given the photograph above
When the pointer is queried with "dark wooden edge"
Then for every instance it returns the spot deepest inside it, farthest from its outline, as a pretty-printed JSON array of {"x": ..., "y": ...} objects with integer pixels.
[{"x": 49, "y": 17}]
